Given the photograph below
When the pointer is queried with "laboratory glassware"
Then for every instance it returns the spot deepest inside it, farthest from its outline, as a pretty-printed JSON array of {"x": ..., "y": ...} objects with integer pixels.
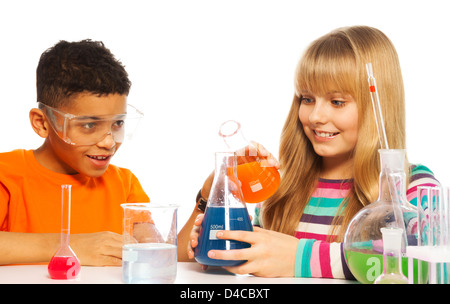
[
  {"x": 377, "y": 107},
  {"x": 433, "y": 250},
  {"x": 363, "y": 244},
  {"x": 392, "y": 257},
  {"x": 149, "y": 251},
  {"x": 225, "y": 210},
  {"x": 362, "y": 239},
  {"x": 64, "y": 263},
  {"x": 259, "y": 179}
]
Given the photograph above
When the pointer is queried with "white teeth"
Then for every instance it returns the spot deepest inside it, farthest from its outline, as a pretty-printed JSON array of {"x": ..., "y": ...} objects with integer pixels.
[
  {"x": 323, "y": 134},
  {"x": 98, "y": 157}
]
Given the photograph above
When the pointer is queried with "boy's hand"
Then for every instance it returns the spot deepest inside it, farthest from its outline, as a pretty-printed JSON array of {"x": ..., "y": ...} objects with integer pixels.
[
  {"x": 98, "y": 249},
  {"x": 193, "y": 238}
]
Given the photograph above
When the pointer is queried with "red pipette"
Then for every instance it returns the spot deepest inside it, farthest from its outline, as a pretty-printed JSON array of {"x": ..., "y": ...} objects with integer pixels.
[{"x": 377, "y": 108}]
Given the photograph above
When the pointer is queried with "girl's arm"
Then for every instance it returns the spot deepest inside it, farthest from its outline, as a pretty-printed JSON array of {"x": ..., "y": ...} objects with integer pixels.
[{"x": 275, "y": 254}]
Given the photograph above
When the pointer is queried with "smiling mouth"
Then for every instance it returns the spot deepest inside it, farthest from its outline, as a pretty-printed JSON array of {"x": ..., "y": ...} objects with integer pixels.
[
  {"x": 325, "y": 134},
  {"x": 99, "y": 157}
]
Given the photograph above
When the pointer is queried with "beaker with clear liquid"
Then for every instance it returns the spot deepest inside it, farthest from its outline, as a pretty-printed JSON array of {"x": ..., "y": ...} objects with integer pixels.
[
  {"x": 259, "y": 179},
  {"x": 225, "y": 210},
  {"x": 149, "y": 251},
  {"x": 64, "y": 264}
]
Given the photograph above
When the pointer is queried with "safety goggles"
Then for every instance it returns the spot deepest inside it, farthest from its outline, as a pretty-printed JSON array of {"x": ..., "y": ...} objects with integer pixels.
[{"x": 85, "y": 130}]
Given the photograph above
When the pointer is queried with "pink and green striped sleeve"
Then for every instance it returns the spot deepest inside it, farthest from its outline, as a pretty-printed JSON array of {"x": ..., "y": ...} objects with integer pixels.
[{"x": 317, "y": 254}]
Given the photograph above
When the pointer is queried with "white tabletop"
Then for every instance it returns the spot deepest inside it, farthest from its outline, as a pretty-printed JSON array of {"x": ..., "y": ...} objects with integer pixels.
[{"x": 187, "y": 273}]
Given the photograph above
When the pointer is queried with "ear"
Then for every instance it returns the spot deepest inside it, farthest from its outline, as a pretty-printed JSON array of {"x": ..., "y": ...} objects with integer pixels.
[{"x": 39, "y": 123}]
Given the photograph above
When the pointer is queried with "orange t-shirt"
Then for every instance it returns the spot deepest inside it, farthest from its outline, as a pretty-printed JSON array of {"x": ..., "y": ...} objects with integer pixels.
[{"x": 30, "y": 197}]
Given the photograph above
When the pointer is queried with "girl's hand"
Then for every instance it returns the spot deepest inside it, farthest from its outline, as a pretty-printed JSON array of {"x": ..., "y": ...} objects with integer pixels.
[
  {"x": 256, "y": 151},
  {"x": 246, "y": 155},
  {"x": 272, "y": 254}
]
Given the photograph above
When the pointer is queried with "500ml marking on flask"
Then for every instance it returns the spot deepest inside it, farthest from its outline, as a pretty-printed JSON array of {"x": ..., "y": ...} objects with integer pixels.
[
  {"x": 213, "y": 234},
  {"x": 214, "y": 221},
  {"x": 213, "y": 231}
]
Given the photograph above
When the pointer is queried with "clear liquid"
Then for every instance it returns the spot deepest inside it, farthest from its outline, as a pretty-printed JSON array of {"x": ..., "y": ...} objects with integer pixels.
[{"x": 149, "y": 263}]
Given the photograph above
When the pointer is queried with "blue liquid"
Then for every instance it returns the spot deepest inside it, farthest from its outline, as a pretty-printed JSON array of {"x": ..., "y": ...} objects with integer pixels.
[{"x": 214, "y": 221}]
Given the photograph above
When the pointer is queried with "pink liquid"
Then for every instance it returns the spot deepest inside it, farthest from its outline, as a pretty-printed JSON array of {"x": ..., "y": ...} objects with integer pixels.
[{"x": 63, "y": 267}]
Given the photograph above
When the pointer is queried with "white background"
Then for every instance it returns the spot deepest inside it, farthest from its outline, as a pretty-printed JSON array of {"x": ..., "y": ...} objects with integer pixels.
[{"x": 195, "y": 64}]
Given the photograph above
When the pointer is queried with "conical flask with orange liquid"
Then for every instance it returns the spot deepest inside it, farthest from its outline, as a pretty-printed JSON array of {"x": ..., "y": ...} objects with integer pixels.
[{"x": 259, "y": 178}]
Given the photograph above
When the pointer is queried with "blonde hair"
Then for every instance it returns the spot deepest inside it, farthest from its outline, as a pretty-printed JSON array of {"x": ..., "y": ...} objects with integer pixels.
[{"x": 337, "y": 61}]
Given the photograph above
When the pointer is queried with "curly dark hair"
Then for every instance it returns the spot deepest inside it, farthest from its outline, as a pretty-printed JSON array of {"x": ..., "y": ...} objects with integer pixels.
[{"x": 69, "y": 68}]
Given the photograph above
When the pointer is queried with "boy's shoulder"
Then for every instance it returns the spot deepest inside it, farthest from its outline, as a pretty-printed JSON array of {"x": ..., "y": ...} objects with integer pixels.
[
  {"x": 14, "y": 165},
  {"x": 12, "y": 158}
]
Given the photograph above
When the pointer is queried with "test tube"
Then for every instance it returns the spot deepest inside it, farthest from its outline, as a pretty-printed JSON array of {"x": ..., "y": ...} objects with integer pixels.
[{"x": 433, "y": 230}]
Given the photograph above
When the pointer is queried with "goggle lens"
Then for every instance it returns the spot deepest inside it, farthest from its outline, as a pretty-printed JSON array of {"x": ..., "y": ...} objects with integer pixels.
[{"x": 90, "y": 130}]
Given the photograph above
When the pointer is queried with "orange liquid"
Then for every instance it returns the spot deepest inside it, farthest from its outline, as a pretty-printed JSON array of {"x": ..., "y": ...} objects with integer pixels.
[{"x": 257, "y": 183}]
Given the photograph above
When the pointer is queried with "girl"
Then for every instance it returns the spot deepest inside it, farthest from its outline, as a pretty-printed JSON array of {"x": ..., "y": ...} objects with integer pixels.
[{"x": 328, "y": 159}]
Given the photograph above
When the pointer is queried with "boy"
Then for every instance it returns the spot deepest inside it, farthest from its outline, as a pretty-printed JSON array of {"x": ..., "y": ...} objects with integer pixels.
[{"x": 82, "y": 101}]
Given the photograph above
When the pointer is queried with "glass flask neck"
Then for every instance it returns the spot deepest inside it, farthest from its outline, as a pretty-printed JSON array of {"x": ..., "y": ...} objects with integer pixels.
[
  {"x": 231, "y": 133},
  {"x": 65, "y": 214},
  {"x": 392, "y": 174},
  {"x": 226, "y": 189},
  {"x": 225, "y": 163},
  {"x": 392, "y": 264}
]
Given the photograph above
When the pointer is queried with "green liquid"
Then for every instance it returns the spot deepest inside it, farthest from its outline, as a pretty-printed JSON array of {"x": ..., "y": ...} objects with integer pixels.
[
  {"x": 366, "y": 267},
  {"x": 392, "y": 279}
]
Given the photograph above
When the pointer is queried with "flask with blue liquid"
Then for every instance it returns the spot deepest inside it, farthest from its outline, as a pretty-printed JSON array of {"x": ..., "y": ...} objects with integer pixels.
[{"x": 226, "y": 210}]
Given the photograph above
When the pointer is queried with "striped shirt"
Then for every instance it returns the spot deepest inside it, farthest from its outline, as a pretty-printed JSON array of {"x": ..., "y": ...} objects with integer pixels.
[{"x": 318, "y": 255}]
